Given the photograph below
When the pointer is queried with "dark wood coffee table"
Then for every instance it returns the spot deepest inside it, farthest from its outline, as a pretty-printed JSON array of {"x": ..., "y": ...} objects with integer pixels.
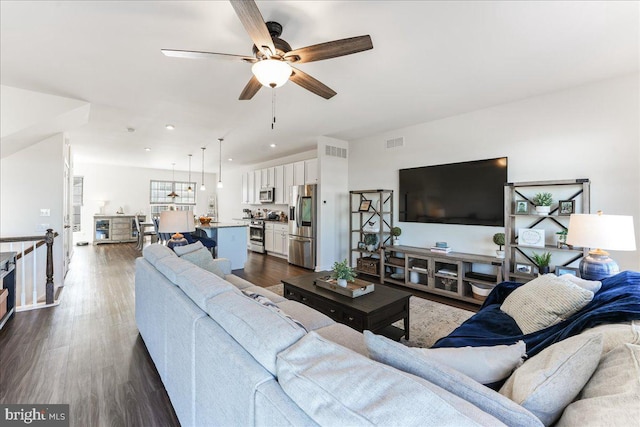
[{"x": 375, "y": 311}]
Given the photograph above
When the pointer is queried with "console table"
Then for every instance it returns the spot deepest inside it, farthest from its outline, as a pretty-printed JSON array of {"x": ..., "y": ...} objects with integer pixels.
[
  {"x": 375, "y": 311},
  {"x": 115, "y": 228}
]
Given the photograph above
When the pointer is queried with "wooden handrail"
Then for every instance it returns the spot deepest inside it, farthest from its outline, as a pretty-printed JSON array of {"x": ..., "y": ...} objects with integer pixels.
[{"x": 27, "y": 239}]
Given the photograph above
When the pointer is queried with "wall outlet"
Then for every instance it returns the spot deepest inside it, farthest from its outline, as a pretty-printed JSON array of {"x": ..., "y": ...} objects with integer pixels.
[{"x": 45, "y": 212}]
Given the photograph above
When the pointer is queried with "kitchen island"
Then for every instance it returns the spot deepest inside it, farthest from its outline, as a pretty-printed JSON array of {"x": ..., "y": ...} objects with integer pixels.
[{"x": 231, "y": 241}]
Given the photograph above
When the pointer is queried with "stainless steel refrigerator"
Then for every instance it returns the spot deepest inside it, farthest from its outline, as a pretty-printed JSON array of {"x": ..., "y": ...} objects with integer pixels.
[{"x": 303, "y": 223}]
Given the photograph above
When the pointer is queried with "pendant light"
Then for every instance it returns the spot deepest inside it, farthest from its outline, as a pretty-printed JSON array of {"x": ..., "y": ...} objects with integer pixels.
[
  {"x": 202, "y": 187},
  {"x": 173, "y": 194},
  {"x": 189, "y": 189},
  {"x": 220, "y": 163}
]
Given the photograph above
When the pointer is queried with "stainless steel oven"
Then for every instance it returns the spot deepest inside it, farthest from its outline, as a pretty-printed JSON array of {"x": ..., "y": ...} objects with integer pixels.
[{"x": 256, "y": 235}]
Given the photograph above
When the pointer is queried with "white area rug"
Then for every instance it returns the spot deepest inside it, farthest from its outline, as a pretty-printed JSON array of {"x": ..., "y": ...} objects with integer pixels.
[{"x": 428, "y": 321}]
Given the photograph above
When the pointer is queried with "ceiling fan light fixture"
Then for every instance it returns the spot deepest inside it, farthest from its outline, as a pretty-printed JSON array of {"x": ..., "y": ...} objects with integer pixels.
[{"x": 272, "y": 72}]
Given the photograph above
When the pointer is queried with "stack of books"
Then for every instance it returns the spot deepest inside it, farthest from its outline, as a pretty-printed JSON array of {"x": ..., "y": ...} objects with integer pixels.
[{"x": 441, "y": 247}]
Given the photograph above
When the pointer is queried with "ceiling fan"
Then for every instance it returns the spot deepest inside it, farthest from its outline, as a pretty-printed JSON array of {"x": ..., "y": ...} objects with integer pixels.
[{"x": 273, "y": 57}]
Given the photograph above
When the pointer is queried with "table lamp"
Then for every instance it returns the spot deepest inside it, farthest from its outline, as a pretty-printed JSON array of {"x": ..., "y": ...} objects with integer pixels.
[
  {"x": 176, "y": 222},
  {"x": 613, "y": 232}
]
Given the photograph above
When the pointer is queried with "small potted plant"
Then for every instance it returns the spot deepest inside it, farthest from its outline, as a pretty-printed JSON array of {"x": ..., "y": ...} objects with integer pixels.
[
  {"x": 396, "y": 232},
  {"x": 343, "y": 273},
  {"x": 542, "y": 261},
  {"x": 543, "y": 203},
  {"x": 371, "y": 240},
  {"x": 498, "y": 239},
  {"x": 562, "y": 239}
]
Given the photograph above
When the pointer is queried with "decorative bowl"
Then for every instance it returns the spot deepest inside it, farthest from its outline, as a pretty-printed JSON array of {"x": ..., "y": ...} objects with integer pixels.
[{"x": 204, "y": 220}]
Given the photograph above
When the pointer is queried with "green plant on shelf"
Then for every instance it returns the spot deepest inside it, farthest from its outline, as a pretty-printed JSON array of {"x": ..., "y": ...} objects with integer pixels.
[
  {"x": 542, "y": 199},
  {"x": 498, "y": 239},
  {"x": 396, "y": 231},
  {"x": 541, "y": 260},
  {"x": 341, "y": 270}
]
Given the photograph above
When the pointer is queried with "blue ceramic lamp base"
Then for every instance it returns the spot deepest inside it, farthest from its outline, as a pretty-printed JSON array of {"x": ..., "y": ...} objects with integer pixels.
[{"x": 597, "y": 266}]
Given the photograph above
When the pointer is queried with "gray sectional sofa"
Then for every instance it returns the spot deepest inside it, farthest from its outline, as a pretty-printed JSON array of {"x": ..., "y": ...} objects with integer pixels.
[{"x": 230, "y": 353}]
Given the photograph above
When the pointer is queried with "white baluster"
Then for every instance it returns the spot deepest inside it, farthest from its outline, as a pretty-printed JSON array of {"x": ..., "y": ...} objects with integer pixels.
[
  {"x": 35, "y": 287},
  {"x": 23, "y": 291}
]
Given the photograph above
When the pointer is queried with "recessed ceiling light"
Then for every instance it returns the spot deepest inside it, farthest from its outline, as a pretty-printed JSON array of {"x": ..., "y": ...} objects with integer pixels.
[
  {"x": 147, "y": 149},
  {"x": 272, "y": 145},
  {"x": 230, "y": 159},
  {"x": 170, "y": 127}
]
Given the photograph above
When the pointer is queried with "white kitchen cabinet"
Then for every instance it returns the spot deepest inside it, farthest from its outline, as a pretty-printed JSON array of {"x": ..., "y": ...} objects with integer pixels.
[
  {"x": 311, "y": 171},
  {"x": 268, "y": 237},
  {"x": 251, "y": 191},
  {"x": 298, "y": 173},
  {"x": 257, "y": 185},
  {"x": 245, "y": 188},
  {"x": 278, "y": 184},
  {"x": 280, "y": 239},
  {"x": 288, "y": 182}
]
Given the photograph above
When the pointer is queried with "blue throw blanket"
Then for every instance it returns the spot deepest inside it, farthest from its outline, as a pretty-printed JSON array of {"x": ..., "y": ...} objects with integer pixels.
[{"x": 617, "y": 301}]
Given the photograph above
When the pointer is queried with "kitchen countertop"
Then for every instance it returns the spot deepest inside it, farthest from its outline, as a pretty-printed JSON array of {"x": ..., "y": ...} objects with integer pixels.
[{"x": 221, "y": 225}]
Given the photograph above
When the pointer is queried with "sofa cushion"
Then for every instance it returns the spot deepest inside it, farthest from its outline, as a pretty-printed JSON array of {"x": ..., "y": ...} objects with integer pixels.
[
  {"x": 545, "y": 301},
  {"x": 185, "y": 249},
  {"x": 409, "y": 360},
  {"x": 550, "y": 380},
  {"x": 345, "y": 336},
  {"x": 172, "y": 267},
  {"x": 200, "y": 285},
  {"x": 310, "y": 318},
  {"x": 616, "y": 334},
  {"x": 261, "y": 331},
  {"x": 336, "y": 386},
  {"x": 203, "y": 259},
  {"x": 156, "y": 251},
  {"x": 612, "y": 395},
  {"x": 265, "y": 292},
  {"x": 238, "y": 282}
]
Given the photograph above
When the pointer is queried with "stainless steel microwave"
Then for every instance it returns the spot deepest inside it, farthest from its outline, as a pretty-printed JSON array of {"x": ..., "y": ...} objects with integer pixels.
[{"x": 266, "y": 195}]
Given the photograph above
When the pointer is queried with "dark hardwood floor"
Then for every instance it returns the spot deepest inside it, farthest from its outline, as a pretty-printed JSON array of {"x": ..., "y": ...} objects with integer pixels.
[{"x": 87, "y": 352}]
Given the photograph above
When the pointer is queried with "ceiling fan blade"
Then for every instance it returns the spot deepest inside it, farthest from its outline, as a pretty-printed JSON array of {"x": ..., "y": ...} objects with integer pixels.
[
  {"x": 306, "y": 81},
  {"x": 253, "y": 23},
  {"x": 194, "y": 54},
  {"x": 328, "y": 50},
  {"x": 250, "y": 89}
]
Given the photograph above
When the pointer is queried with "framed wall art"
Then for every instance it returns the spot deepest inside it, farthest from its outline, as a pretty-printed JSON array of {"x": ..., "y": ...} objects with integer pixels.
[
  {"x": 566, "y": 207},
  {"x": 522, "y": 207},
  {"x": 533, "y": 237},
  {"x": 364, "y": 206}
]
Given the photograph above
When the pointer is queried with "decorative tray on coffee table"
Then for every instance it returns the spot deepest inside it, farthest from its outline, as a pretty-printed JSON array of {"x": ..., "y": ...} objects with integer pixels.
[{"x": 354, "y": 289}]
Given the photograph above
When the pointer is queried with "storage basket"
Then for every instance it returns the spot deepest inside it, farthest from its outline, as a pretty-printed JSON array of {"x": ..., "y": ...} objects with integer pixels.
[{"x": 368, "y": 265}]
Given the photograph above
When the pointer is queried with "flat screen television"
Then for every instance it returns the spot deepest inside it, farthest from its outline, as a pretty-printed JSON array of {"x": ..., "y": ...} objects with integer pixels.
[{"x": 469, "y": 193}]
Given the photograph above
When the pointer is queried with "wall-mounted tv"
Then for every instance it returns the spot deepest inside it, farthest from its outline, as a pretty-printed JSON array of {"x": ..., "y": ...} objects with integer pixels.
[{"x": 469, "y": 193}]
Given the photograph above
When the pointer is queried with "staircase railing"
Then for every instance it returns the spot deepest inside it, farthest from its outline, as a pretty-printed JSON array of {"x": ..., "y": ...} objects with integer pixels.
[{"x": 32, "y": 292}]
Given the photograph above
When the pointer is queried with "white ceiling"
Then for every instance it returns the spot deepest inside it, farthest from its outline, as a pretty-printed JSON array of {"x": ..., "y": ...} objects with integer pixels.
[{"x": 430, "y": 60}]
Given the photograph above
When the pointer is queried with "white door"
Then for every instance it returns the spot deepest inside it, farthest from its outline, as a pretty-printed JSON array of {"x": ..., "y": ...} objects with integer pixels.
[{"x": 67, "y": 230}]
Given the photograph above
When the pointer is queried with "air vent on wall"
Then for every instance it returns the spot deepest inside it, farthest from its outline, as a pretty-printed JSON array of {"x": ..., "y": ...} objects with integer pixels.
[
  {"x": 335, "y": 151},
  {"x": 395, "y": 142}
]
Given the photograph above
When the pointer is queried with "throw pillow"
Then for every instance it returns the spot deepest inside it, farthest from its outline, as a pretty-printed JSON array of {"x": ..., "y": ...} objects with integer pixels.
[
  {"x": 486, "y": 365},
  {"x": 590, "y": 285},
  {"x": 182, "y": 250},
  {"x": 203, "y": 259},
  {"x": 336, "y": 386},
  {"x": 612, "y": 393},
  {"x": 409, "y": 360},
  {"x": 545, "y": 301},
  {"x": 550, "y": 380}
]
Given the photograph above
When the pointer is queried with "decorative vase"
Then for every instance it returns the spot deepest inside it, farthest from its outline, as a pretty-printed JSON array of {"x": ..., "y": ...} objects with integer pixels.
[
  {"x": 371, "y": 248},
  {"x": 396, "y": 241},
  {"x": 543, "y": 210},
  {"x": 342, "y": 282},
  {"x": 499, "y": 254}
]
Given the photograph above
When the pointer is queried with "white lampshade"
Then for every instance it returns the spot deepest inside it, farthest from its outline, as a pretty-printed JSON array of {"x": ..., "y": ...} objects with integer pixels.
[
  {"x": 272, "y": 72},
  {"x": 176, "y": 222},
  {"x": 612, "y": 232}
]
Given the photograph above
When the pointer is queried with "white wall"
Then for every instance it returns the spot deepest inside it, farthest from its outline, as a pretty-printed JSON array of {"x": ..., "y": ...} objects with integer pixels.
[
  {"x": 333, "y": 204},
  {"x": 128, "y": 187},
  {"x": 33, "y": 179},
  {"x": 590, "y": 131}
]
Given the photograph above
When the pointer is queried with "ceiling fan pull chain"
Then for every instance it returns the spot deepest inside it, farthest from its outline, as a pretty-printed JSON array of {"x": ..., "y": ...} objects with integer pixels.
[{"x": 273, "y": 107}]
